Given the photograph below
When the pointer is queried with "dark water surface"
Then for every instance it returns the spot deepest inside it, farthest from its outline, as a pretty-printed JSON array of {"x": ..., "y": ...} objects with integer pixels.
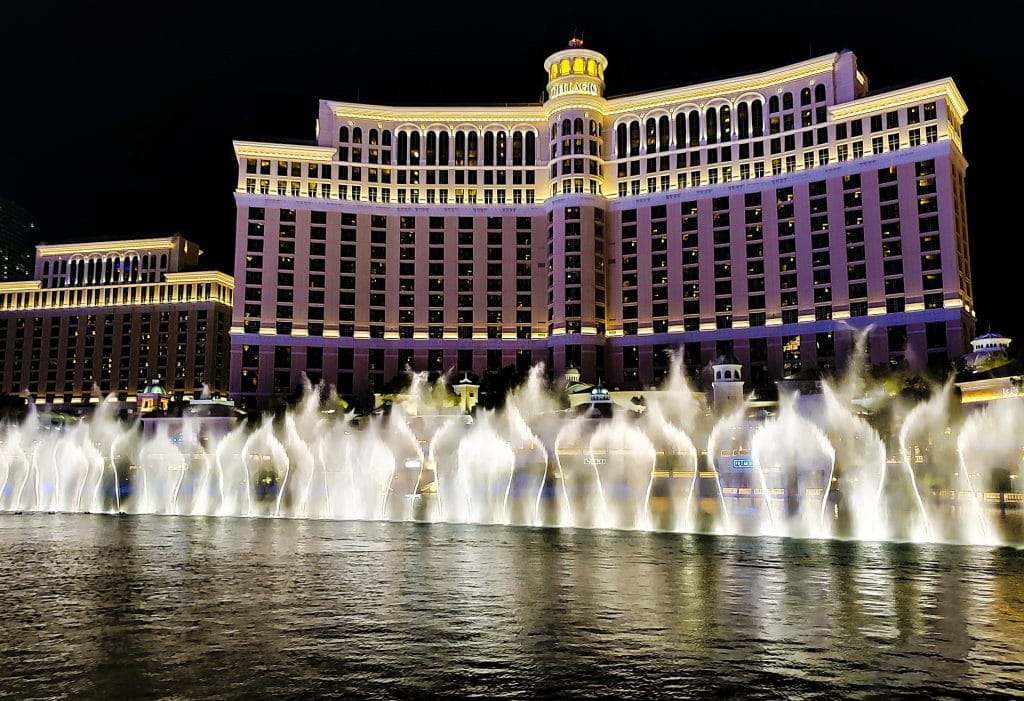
[{"x": 168, "y": 607}]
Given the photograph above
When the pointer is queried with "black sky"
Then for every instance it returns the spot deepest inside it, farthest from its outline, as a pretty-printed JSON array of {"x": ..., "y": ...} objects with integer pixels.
[{"x": 117, "y": 119}]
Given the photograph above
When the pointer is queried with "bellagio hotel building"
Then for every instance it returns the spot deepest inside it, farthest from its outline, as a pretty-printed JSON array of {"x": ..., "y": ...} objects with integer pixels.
[{"x": 768, "y": 216}]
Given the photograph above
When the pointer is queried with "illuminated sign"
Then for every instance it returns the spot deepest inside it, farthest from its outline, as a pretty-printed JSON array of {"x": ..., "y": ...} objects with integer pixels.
[
  {"x": 742, "y": 462},
  {"x": 573, "y": 87}
]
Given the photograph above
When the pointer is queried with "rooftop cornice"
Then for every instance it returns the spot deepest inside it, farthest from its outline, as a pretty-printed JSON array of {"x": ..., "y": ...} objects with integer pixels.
[
  {"x": 269, "y": 150},
  {"x": 944, "y": 88},
  {"x": 58, "y": 249},
  {"x": 721, "y": 88},
  {"x": 353, "y": 110},
  {"x": 21, "y": 286},
  {"x": 192, "y": 276}
]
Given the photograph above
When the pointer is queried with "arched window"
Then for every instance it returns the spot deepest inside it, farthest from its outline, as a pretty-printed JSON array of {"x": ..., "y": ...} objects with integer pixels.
[
  {"x": 728, "y": 374},
  {"x": 489, "y": 148},
  {"x": 773, "y": 104},
  {"x": 471, "y": 148},
  {"x": 805, "y": 96},
  {"x": 460, "y": 148},
  {"x": 819, "y": 92},
  {"x": 46, "y": 268},
  {"x": 591, "y": 67},
  {"x": 711, "y": 125},
  {"x": 374, "y": 137},
  {"x": 651, "y": 135},
  {"x": 680, "y": 130},
  {"x": 357, "y": 135},
  {"x": 414, "y": 148},
  {"x": 757, "y": 118},
  {"x": 725, "y": 121},
  {"x": 744, "y": 120},
  {"x": 718, "y": 374},
  {"x": 563, "y": 66},
  {"x": 343, "y": 135},
  {"x": 595, "y": 128},
  {"x": 566, "y": 127},
  {"x": 695, "y": 128},
  {"x": 577, "y": 125},
  {"x": 578, "y": 65},
  {"x": 108, "y": 271},
  {"x": 663, "y": 133},
  {"x": 403, "y": 148},
  {"x": 163, "y": 266},
  {"x": 517, "y": 148},
  {"x": 501, "y": 149},
  {"x": 787, "y": 101},
  {"x": 620, "y": 140},
  {"x": 442, "y": 148},
  {"x": 531, "y": 148},
  {"x": 385, "y": 138},
  {"x": 431, "y": 148},
  {"x": 634, "y": 139}
]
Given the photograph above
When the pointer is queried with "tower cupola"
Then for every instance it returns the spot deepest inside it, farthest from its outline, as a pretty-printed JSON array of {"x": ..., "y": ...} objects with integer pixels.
[{"x": 575, "y": 71}]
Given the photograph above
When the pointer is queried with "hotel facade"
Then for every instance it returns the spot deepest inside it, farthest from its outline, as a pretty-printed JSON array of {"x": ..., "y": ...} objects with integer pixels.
[
  {"x": 115, "y": 315},
  {"x": 767, "y": 216}
]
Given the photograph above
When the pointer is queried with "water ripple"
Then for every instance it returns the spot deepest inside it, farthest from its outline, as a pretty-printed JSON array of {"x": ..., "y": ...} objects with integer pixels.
[{"x": 168, "y": 607}]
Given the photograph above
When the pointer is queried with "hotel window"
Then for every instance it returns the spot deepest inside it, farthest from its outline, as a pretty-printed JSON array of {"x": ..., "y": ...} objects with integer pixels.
[
  {"x": 929, "y": 111},
  {"x": 931, "y": 134}
]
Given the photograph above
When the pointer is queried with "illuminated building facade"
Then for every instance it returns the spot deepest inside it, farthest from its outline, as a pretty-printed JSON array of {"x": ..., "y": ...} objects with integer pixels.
[
  {"x": 763, "y": 216},
  {"x": 115, "y": 315}
]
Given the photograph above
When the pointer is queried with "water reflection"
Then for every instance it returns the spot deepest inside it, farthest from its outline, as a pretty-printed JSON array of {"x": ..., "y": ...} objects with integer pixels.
[{"x": 223, "y": 608}]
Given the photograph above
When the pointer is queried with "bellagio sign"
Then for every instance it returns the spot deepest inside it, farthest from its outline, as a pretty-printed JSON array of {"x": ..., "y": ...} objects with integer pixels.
[{"x": 573, "y": 87}]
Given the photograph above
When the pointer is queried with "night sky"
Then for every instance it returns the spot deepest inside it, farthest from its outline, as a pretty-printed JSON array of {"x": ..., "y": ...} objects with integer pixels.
[{"x": 116, "y": 120}]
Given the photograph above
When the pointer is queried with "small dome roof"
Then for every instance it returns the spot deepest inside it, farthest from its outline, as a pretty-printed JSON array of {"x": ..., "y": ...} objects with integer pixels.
[
  {"x": 727, "y": 359},
  {"x": 155, "y": 386}
]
